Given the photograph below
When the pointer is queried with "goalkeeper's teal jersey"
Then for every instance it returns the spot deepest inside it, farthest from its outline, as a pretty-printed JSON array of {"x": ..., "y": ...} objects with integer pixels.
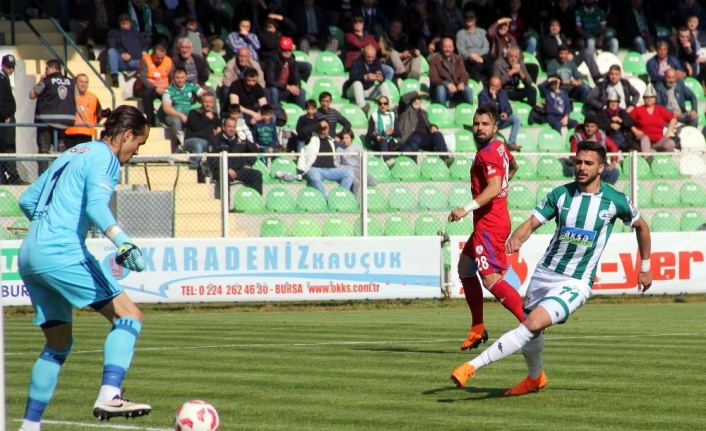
[
  {"x": 584, "y": 223},
  {"x": 56, "y": 205}
]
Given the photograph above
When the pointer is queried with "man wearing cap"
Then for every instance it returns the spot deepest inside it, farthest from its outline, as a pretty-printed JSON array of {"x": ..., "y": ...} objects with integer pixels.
[
  {"x": 282, "y": 77},
  {"x": 617, "y": 123},
  {"x": 649, "y": 124},
  {"x": 8, "y": 106},
  {"x": 672, "y": 93}
]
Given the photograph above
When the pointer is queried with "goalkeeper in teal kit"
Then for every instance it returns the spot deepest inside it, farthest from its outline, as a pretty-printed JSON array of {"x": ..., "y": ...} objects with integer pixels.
[{"x": 59, "y": 272}]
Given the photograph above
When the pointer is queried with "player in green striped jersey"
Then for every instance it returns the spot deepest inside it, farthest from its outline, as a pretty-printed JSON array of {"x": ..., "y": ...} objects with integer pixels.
[{"x": 585, "y": 211}]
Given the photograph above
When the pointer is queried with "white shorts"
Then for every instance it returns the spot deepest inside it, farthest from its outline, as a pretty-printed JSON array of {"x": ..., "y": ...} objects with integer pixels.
[{"x": 559, "y": 294}]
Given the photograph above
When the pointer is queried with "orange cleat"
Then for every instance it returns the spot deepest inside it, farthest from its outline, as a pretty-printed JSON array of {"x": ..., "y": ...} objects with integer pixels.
[
  {"x": 476, "y": 335},
  {"x": 462, "y": 373},
  {"x": 528, "y": 385}
]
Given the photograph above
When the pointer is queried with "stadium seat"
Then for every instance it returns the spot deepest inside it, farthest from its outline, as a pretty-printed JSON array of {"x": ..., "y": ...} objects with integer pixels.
[
  {"x": 424, "y": 67},
  {"x": 379, "y": 170},
  {"x": 520, "y": 197},
  {"x": 280, "y": 200},
  {"x": 526, "y": 169},
  {"x": 663, "y": 221},
  {"x": 283, "y": 164},
  {"x": 337, "y": 226},
  {"x": 635, "y": 64},
  {"x": 328, "y": 85},
  {"x": 664, "y": 166},
  {"x": 663, "y": 32},
  {"x": 610, "y": 32},
  {"x": 461, "y": 168},
  {"x": 463, "y": 114},
  {"x": 543, "y": 190},
  {"x": 403, "y": 199},
  {"x": 259, "y": 165},
  {"x": 434, "y": 169},
  {"x": 692, "y": 140},
  {"x": 328, "y": 63},
  {"x": 695, "y": 86},
  {"x": 394, "y": 93},
  {"x": 644, "y": 172},
  {"x": 337, "y": 34},
  {"x": 216, "y": 63},
  {"x": 692, "y": 195},
  {"x": 305, "y": 88},
  {"x": 406, "y": 169},
  {"x": 606, "y": 59},
  {"x": 163, "y": 30},
  {"x": 691, "y": 221},
  {"x": 427, "y": 225},
  {"x": 523, "y": 110},
  {"x": 643, "y": 196},
  {"x": 439, "y": 116},
  {"x": 664, "y": 195},
  {"x": 342, "y": 200},
  {"x": 355, "y": 115},
  {"x": 550, "y": 168},
  {"x": 433, "y": 199},
  {"x": 374, "y": 227},
  {"x": 463, "y": 227},
  {"x": 305, "y": 227},
  {"x": 377, "y": 202},
  {"x": 311, "y": 200},
  {"x": 229, "y": 9},
  {"x": 577, "y": 113},
  {"x": 527, "y": 142},
  {"x": 516, "y": 219},
  {"x": 398, "y": 225},
  {"x": 302, "y": 57},
  {"x": 249, "y": 201},
  {"x": 409, "y": 86},
  {"x": 8, "y": 205},
  {"x": 293, "y": 113},
  {"x": 211, "y": 83},
  {"x": 465, "y": 143},
  {"x": 550, "y": 141},
  {"x": 639, "y": 85},
  {"x": 459, "y": 196},
  {"x": 273, "y": 227}
]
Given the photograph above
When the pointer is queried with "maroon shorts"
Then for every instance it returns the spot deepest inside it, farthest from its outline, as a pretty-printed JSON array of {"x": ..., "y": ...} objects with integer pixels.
[{"x": 487, "y": 250}]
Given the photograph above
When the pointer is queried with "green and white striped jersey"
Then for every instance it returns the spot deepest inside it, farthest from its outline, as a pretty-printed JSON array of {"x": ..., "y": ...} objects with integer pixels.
[{"x": 584, "y": 223}]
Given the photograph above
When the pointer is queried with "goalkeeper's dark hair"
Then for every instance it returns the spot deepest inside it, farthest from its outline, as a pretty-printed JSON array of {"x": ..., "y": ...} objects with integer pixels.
[
  {"x": 595, "y": 147},
  {"x": 122, "y": 119},
  {"x": 489, "y": 110}
]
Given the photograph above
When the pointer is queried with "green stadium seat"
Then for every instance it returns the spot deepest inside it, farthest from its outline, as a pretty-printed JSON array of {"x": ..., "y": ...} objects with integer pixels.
[
  {"x": 424, "y": 67},
  {"x": 374, "y": 227},
  {"x": 163, "y": 30},
  {"x": 409, "y": 86},
  {"x": 547, "y": 228},
  {"x": 694, "y": 85},
  {"x": 577, "y": 113},
  {"x": 527, "y": 142},
  {"x": 403, "y": 199},
  {"x": 519, "y": 197},
  {"x": 305, "y": 227},
  {"x": 663, "y": 221},
  {"x": 434, "y": 169},
  {"x": 328, "y": 63},
  {"x": 379, "y": 170},
  {"x": 273, "y": 227},
  {"x": 463, "y": 114},
  {"x": 216, "y": 63},
  {"x": 644, "y": 172},
  {"x": 427, "y": 225},
  {"x": 440, "y": 117},
  {"x": 8, "y": 205},
  {"x": 461, "y": 168},
  {"x": 529, "y": 58},
  {"x": 311, "y": 200},
  {"x": 249, "y": 201},
  {"x": 644, "y": 200},
  {"x": 463, "y": 227},
  {"x": 342, "y": 200},
  {"x": 516, "y": 219},
  {"x": 406, "y": 169},
  {"x": 328, "y": 85},
  {"x": 337, "y": 34},
  {"x": 377, "y": 201},
  {"x": 634, "y": 63},
  {"x": 394, "y": 93},
  {"x": 543, "y": 190},
  {"x": 433, "y": 199},
  {"x": 610, "y": 32},
  {"x": 302, "y": 57},
  {"x": 210, "y": 82},
  {"x": 283, "y": 164},
  {"x": 293, "y": 113},
  {"x": 526, "y": 171},
  {"x": 691, "y": 221},
  {"x": 476, "y": 87},
  {"x": 398, "y": 225},
  {"x": 280, "y": 200},
  {"x": 305, "y": 88},
  {"x": 550, "y": 141},
  {"x": 465, "y": 143},
  {"x": 337, "y": 226},
  {"x": 550, "y": 168},
  {"x": 459, "y": 196},
  {"x": 259, "y": 165},
  {"x": 355, "y": 115},
  {"x": 523, "y": 110},
  {"x": 664, "y": 195},
  {"x": 664, "y": 166},
  {"x": 229, "y": 9},
  {"x": 692, "y": 195}
]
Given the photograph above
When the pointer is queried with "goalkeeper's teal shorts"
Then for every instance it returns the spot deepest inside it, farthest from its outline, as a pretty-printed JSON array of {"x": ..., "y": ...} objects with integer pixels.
[{"x": 55, "y": 293}]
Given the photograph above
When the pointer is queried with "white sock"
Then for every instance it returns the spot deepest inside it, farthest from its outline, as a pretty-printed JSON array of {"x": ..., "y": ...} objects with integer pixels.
[
  {"x": 506, "y": 345},
  {"x": 30, "y": 426},
  {"x": 532, "y": 352},
  {"x": 107, "y": 393}
]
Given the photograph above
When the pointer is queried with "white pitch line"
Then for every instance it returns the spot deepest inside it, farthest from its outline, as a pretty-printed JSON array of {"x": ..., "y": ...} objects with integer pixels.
[
  {"x": 355, "y": 343},
  {"x": 101, "y": 426}
]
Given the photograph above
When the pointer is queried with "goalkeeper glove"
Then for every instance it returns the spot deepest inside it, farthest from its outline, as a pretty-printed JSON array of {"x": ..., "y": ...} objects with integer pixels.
[{"x": 130, "y": 256}]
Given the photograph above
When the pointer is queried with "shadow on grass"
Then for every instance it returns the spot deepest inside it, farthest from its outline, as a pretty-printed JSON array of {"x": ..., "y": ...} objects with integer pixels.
[
  {"x": 489, "y": 393},
  {"x": 406, "y": 350}
]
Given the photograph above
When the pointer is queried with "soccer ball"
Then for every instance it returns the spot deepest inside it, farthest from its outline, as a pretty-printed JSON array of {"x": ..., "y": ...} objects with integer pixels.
[{"x": 196, "y": 415}]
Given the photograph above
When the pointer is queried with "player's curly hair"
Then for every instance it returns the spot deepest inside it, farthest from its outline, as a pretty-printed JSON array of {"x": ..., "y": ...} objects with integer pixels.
[
  {"x": 122, "y": 119},
  {"x": 489, "y": 110},
  {"x": 595, "y": 147}
]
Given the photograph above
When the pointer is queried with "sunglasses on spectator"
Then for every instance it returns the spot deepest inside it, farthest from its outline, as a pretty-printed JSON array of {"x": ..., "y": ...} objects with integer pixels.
[
  {"x": 470, "y": 18},
  {"x": 383, "y": 103},
  {"x": 357, "y": 20}
]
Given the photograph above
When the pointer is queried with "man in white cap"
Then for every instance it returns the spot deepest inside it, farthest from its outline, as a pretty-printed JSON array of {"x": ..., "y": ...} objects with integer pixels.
[
  {"x": 649, "y": 124},
  {"x": 617, "y": 123},
  {"x": 8, "y": 106}
]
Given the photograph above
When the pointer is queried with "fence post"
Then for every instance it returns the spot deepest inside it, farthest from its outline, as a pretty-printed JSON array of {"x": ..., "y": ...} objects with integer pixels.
[
  {"x": 363, "y": 190},
  {"x": 225, "y": 194},
  {"x": 633, "y": 176}
]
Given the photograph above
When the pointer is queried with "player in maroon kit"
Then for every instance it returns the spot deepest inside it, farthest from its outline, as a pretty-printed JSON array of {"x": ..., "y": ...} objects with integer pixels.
[{"x": 484, "y": 252}]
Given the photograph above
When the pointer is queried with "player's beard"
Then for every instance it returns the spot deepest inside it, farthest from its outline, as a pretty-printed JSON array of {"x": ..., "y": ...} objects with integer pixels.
[
  {"x": 482, "y": 143},
  {"x": 587, "y": 181}
]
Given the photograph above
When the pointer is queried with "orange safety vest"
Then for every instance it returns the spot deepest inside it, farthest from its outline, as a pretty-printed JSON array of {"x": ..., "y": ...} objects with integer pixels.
[
  {"x": 89, "y": 104},
  {"x": 158, "y": 75}
]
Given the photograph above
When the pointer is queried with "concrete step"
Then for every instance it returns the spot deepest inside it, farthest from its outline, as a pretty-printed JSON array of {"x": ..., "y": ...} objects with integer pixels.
[
  {"x": 196, "y": 192},
  {"x": 29, "y": 38},
  {"x": 204, "y": 226},
  {"x": 156, "y": 146},
  {"x": 160, "y": 175},
  {"x": 204, "y": 206},
  {"x": 38, "y": 51},
  {"x": 41, "y": 25}
]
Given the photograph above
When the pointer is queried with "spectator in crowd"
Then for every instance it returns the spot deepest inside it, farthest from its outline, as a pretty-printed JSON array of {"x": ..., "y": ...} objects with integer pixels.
[
  {"x": 637, "y": 29},
  {"x": 282, "y": 77},
  {"x": 519, "y": 29},
  {"x": 558, "y": 105},
  {"x": 485, "y": 13},
  {"x": 201, "y": 125},
  {"x": 399, "y": 53},
  {"x": 663, "y": 61},
  {"x": 416, "y": 132},
  {"x": 549, "y": 50},
  {"x": 141, "y": 17},
  {"x": 91, "y": 107},
  {"x": 384, "y": 128},
  {"x": 366, "y": 79},
  {"x": 427, "y": 27},
  {"x": 629, "y": 96},
  {"x": 617, "y": 123},
  {"x": 589, "y": 131},
  {"x": 307, "y": 124},
  {"x": 97, "y": 24},
  {"x": 270, "y": 36},
  {"x": 239, "y": 168},
  {"x": 500, "y": 38},
  {"x": 249, "y": 95},
  {"x": 565, "y": 14},
  {"x": 8, "y": 106},
  {"x": 473, "y": 46},
  {"x": 155, "y": 70},
  {"x": 206, "y": 15},
  {"x": 125, "y": 48},
  {"x": 356, "y": 41},
  {"x": 264, "y": 132},
  {"x": 451, "y": 18},
  {"x": 332, "y": 116},
  {"x": 672, "y": 95},
  {"x": 176, "y": 104},
  {"x": 244, "y": 38},
  {"x": 236, "y": 68},
  {"x": 511, "y": 70},
  {"x": 241, "y": 127},
  {"x": 258, "y": 12},
  {"x": 197, "y": 71},
  {"x": 649, "y": 124},
  {"x": 688, "y": 53},
  {"x": 496, "y": 96},
  {"x": 348, "y": 157},
  {"x": 448, "y": 76},
  {"x": 312, "y": 28},
  {"x": 571, "y": 79},
  {"x": 200, "y": 44},
  {"x": 591, "y": 27},
  {"x": 686, "y": 9},
  {"x": 372, "y": 16}
]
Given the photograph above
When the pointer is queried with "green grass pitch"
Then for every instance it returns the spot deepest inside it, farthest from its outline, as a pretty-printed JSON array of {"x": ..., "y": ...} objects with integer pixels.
[{"x": 611, "y": 367}]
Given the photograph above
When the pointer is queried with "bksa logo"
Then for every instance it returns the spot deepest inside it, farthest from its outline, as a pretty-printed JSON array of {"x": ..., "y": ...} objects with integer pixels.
[{"x": 110, "y": 265}]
